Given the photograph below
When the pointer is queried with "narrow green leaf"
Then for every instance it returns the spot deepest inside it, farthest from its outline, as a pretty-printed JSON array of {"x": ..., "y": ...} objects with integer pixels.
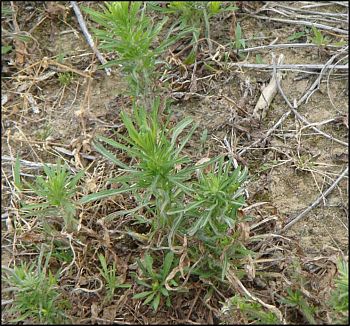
[
  {"x": 140, "y": 282},
  {"x": 142, "y": 295},
  {"x": 103, "y": 194},
  {"x": 124, "y": 286},
  {"x": 108, "y": 155},
  {"x": 155, "y": 302},
  {"x": 141, "y": 266},
  {"x": 185, "y": 140},
  {"x": 167, "y": 264},
  {"x": 149, "y": 299},
  {"x": 225, "y": 267},
  {"x": 149, "y": 263},
  {"x": 16, "y": 174},
  {"x": 76, "y": 178},
  {"x": 188, "y": 208},
  {"x": 103, "y": 263},
  {"x": 179, "y": 128},
  {"x": 164, "y": 291},
  {"x": 113, "y": 143},
  {"x": 6, "y": 49}
]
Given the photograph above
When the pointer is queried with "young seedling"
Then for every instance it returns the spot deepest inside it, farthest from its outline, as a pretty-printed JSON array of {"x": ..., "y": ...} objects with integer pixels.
[
  {"x": 296, "y": 36},
  {"x": 155, "y": 282},
  {"x": 244, "y": 310},
  {"x": 296, "y": 300},
  {"x": 65, "y": 78},
  {"x": 109, "y": 274},
  {"x": 318, "y": 37},
  {"x": 127, "y": 30},
  {"x": 56, "y": 193},
  {"x": 6, "y": 49},
  {"x": 36, "y": 298},
  {"x": 259, "y": 59},
  {"x": 239, "y": 42},
  {"x": 218, "y": 197},
  {"x": 340, "y": 296},
  {"x": 194, "y": 15}
]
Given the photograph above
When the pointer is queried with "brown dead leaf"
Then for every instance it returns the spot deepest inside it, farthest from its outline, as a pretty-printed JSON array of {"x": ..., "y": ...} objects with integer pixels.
[
  {"x": 233, "y": 26},
  {"x": 90, "y": 185},
  {"x": 20, "y": 48},
  {"x": 122, "y": 265},
  {"x": 106, "y": 238},
  {"x": 110, "y": 312},
  {"x": 249, "y": 267},
  {"x": 32, "y": 237},
  {"x": 202, "y": 161},
  {"x": 53, "y": 8},
  {"x": 184, "y": 262},
  {"x": 244, "y": 230}
]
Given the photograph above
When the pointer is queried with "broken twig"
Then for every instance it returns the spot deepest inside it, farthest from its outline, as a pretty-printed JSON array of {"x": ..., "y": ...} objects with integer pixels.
[
  {"x": 316, "y": 202},
  {"x": 288, "y": 66},
  {"x": 267, "y": 94},
  {"x": 88, "y": 36}
]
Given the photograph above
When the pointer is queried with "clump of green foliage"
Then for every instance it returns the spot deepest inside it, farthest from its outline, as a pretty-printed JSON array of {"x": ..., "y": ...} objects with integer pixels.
[
  {"x": 340, "y": 296},
  {"x": 127, "y": 30},
  {"x": 194, "y": 15},
  {"x": 36, "y": 298},
  {"x": 296, "y": 36},
  {"x": 175, "y": 197},
  {"x": 109, "y": 273},
  {"x": 55, "y": 193},
  {"x": 156, "y": 154},
  {"x": 295, "y": 299},
  {"x": 239, "y": 42},
  {"x": 154, "y": 281},
  {"x": 242, "y": 310},
  {"x": 65, "y": 78},
  {"x": 318, "y": 37}
]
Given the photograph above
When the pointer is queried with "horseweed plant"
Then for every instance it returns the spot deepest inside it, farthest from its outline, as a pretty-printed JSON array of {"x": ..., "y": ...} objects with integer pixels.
[
  {"x": 318, "y": 37},
  {"x": 340, "y": 296},
  {"x": 243, "y": 310},
  {"x": 165, "y": 186},
  {"x": 156, "y": 173},
  {"x": 125, "y": 29},
  {"x": 195, "y": 15},
  {"x": 295, "y": 299},
  {"x": 36, "y": 297},
  {"x": 55, "y": 192},
  {"x": 109, "y": 274},
  {"x": 211, "y": 215},
  {"x": 156, "y": 281},
  {"x": 218, "y": 196}
]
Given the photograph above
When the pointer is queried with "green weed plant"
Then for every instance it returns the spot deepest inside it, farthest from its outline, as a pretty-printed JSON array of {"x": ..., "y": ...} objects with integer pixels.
[
  {"x": 65, "y": 78},
  {"x": 55, "y": 192},
  {"x": 157, "y": 155},
  {"x": 295, "y": 299},
  {"x": 125, "y": 29},
  {"x": 193, "y": 15},
  {"x": 244, "y": 310},
  {"x": 36, "y": 297},
  {"x": 318, "y": 37},
  {"x": 340, "y": 296},
  {"x": 155, "y": 281},
  {"x": 176, "y": 197},
  {"x": 109, "y": 273}
]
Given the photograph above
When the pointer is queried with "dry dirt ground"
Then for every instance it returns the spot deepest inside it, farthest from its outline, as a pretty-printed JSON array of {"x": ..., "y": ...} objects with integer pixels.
[{"x": 43, "y": 120}]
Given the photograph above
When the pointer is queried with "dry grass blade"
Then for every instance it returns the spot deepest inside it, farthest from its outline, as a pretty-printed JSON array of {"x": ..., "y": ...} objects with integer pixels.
[{"x": 236, "y": 282}]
